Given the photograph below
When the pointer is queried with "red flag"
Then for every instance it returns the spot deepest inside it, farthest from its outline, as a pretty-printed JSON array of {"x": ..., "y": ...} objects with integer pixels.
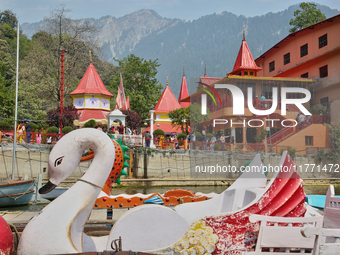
[
  {"x": 120, "y": 99},
  {"x": 127, "y": 106}
]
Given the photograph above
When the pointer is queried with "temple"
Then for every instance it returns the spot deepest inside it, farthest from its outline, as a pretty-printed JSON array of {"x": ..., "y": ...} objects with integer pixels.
[
  {"x": 91, "y": 98},
  {"x": 166, "y": 103},
  {"x": 245, "y": 64}
]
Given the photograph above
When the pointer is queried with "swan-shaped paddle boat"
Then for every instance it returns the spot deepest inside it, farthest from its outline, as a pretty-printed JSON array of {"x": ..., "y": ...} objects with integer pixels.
[
  {"x": 58, "y": 228},
  {"x": 210, "y": 227}
]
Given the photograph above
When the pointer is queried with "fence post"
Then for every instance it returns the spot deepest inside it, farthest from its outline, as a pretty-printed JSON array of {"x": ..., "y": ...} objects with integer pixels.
[
  {"x": 145, "y": 164},
  {"x": 135, "y": 164},
  {"x": 131, "y": 155}
]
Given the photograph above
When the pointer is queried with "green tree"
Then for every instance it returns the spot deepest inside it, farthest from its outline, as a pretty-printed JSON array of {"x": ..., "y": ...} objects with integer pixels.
[
  {"x": 196, "y": 117},
  {"x": 139, "y": 82},
  {"x": 308, "y": 15},
  {"x": 181, "y": 117},
  {"x": 8, "y": 17}
]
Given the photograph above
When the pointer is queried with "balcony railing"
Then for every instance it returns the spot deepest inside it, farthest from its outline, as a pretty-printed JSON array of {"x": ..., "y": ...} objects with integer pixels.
[{"x": 286, "y": 132}]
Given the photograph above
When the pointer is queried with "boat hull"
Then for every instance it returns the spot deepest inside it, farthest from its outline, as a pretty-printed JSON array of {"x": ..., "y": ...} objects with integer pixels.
[{"x": 16, "y": 192}]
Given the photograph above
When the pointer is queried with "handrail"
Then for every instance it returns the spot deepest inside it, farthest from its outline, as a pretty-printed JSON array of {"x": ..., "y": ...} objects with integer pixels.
[{"x": 288, "y": 131}]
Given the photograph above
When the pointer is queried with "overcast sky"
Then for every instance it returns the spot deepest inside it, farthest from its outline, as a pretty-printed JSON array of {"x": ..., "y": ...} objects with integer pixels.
[{"x": 35, "y": 10}]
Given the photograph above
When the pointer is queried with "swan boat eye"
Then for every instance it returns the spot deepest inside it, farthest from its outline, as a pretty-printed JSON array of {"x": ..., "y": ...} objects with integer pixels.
[{"x": 58, "y": 161}]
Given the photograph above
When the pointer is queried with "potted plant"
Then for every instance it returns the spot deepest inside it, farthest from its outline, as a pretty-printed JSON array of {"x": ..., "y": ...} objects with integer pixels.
[{"x": 181, "y": 137}]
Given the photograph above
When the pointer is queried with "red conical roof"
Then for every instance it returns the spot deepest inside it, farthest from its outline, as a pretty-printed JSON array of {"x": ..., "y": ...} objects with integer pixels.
[
  {"x": 167, "y": 102},
  {"x": 183, "y": 93},
  {"x": 91, "y": 83},
  {"x": 244, "y": 60}
]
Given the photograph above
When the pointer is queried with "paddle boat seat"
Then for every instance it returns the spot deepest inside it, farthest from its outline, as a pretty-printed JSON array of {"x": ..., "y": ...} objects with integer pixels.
[
  {"x": 327, "y": 238},
  {"x": 282, "y": 235}
]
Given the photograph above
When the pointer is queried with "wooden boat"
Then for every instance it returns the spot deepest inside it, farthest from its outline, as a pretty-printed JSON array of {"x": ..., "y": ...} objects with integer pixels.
[{"x": 16, "y": 192}]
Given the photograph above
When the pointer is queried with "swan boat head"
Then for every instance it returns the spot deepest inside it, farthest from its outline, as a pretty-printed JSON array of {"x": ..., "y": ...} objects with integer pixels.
[{"x": 66, "y": 155}]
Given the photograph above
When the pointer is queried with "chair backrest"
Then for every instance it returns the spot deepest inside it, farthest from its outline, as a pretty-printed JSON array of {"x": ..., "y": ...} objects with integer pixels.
[
  {"x": 332, "y": 210},
  {"x": 283, "y": 234}
]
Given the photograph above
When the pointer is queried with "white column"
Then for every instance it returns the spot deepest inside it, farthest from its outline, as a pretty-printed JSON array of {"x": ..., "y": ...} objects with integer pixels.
[{"x": 151, "y": 128}]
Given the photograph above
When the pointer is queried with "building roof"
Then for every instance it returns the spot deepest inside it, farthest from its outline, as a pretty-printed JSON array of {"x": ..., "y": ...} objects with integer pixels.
[
  {"x": 244, "y": 60},
  {"x": 183, "y": 93},
  {"x": 167, "y": 102},
  {"x": 292, "y": 35},
  {"x": 206, "y": 80},
  {"x": 91, "y": 84},
  {"x": 96, "y": 114}
]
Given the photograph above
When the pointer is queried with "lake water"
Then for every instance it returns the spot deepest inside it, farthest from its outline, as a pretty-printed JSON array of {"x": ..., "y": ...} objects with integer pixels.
[{"x": 309, "y": 190}]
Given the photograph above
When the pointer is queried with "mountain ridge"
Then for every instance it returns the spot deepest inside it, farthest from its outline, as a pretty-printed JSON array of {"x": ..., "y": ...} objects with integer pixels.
[{"x": 212, "y": 40}]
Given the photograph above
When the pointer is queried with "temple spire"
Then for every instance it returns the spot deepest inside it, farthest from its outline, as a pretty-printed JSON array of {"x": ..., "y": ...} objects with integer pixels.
[
  {"x": 167, "y": 81},
  {"x": 205, "y": 71},
  {"x": 244, "y": 34},
  {"x": 183, "y": 70}
]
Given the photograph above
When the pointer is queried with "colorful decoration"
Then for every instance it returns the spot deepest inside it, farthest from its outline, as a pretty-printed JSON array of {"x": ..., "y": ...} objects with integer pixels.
[
  {"x": 154, "y": 200},
  {"x": 118, "y": 165},
  {"x": 199, "y": 239},
  {"x": 105, "y": 200},
  {"x": 170, "y": 198}
]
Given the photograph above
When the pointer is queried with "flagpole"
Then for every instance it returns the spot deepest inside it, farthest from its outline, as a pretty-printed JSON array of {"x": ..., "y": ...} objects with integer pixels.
[{"x": 16, "y": 107}]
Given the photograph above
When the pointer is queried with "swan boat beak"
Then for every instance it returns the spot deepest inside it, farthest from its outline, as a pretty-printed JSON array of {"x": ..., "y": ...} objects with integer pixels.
[{"x": 48, "y": 187}]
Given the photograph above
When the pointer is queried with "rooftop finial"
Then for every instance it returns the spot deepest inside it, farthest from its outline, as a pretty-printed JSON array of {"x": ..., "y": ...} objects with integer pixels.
[
  {"x": 90, "y": 56},
  {"x": 167, "y": 81},
  {"x": 226, "y": 72},
  {"x": 205, "y": 70},
  {"x": 244, "y": 33},
  {"x": 183, "y": 70}
]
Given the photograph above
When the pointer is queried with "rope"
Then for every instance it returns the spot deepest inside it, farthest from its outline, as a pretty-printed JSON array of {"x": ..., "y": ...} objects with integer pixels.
[
  {"x": 22, "y": 194},
  {"x": 90, "y": 183},
  {"x": 16, "y": 235}
]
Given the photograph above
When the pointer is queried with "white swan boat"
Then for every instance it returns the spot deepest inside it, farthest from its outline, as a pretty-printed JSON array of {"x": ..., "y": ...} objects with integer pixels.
[{"x": 58, "y": 228}]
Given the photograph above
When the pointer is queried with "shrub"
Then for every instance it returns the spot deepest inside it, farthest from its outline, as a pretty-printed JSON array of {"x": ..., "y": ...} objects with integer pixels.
[
  {"x": 90, "y": 124},
  {"x": 53, "y": 130},
  {"x": 4, "y": 125},
  {"x": 181, "y": 137},
  {"x": 158, "y": 132},
  {"x": 67, "y": 129},
  {"x": 209, "y": 135},
  {"x": 198, "y": 136},
  {"x": 34, "y": 127}
]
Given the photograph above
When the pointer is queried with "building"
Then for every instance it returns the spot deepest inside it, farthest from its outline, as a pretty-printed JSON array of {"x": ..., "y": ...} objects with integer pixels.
[
  {"x": 91, "y": 98},
  {"x": 312, "y": 52},
  {"x": 246, "y": 127},
  {"x": 166, "y": 103}
]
